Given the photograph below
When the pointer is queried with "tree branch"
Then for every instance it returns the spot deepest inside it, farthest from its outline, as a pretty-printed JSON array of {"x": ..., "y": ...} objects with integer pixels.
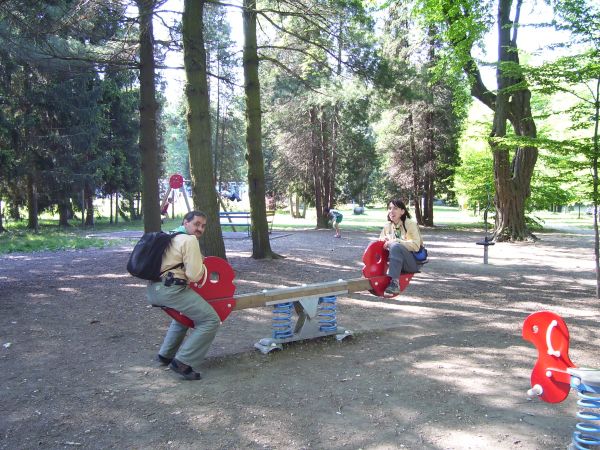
[
  {"x": 516, "y": 23},
  {"x": 478, "y": 88},
  {"x": 299, "y": 37},
  {"x": 289, "y": 71}
]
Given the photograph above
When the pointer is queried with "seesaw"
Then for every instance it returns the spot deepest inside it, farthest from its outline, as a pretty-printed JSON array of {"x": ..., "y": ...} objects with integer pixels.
[
  {"x": 314, "y": 304},
  {"x": 554, "y": 375}
]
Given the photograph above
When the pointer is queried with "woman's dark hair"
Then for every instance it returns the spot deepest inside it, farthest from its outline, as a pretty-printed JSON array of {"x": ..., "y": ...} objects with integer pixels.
[
  {"x": 400, "y": 204},
  {"x": 190, "y": 216}
]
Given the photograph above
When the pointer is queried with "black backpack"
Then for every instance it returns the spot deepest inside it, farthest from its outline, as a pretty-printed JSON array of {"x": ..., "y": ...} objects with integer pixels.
[{"x": 146, "y": 258}]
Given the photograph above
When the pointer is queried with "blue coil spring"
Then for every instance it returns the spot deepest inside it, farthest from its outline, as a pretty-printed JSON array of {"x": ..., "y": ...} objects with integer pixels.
[
  {"x": 282, "y": 320},
  {"x": 587, "y": 434},
  {"x": 326, "y": 312}
]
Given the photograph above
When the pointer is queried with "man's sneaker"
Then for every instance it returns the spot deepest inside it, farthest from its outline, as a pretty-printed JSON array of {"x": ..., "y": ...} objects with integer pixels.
[
  {"x": 393, "y": 288},
  {"x": 184, "y": 370},
  {"x": 162, "y": 360}
]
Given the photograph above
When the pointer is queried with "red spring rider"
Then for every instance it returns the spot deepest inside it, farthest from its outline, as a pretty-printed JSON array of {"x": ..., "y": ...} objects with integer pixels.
[{"x": 554, "y": 375}]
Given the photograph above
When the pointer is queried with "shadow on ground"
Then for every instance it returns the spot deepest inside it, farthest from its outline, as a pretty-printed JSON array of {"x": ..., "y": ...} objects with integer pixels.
[{"x": 441, "y": 367}]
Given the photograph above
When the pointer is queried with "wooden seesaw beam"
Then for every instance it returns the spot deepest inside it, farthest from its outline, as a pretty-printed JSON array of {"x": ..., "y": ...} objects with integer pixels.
[{"x": 269, "y": 297}]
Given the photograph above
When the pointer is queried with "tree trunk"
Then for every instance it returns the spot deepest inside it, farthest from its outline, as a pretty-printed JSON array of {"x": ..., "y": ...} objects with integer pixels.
[
  {"x": 595, "y": 151},
  {"x": 32, "y": 203},
  {"x": 415, "y": 169},
  {"x": 13, "y": 211},
  {"x": 89, "y": 206},
  {"x": 335, "y": 133},
  {"x": 138, "y": 209},
  {"x": 317, "y": 168},
  {"x": 222, "y": 147},
  {"x": 216, "y": 153},
  {"x": 429, "y": 143},
  {"x": 63, "y": 213},
  {"x": 148, "y": 118},
  {"x": 326, "y": 159},
  {"x": 512, "y": 178},
  {"x": 2, "y": 229},
  {"x": 261, "y": 246},
  {"x": 198, "y": 121}
]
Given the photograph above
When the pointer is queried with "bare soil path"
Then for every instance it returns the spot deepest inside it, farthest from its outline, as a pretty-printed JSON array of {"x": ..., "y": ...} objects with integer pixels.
[{"x": 443, "y": 366}]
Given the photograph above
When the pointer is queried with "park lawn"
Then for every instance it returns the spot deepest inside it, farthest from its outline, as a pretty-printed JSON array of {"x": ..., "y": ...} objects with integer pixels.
[
  {"x": 552, "y": 220},
  {"x": 50, "y": 238},
  {"x": 373, "y": 219},
  {"x": 47, "y": 240}
]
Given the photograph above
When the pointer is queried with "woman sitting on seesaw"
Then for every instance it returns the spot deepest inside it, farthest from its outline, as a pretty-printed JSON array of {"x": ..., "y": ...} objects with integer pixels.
[{"x": 401, "y": 237}]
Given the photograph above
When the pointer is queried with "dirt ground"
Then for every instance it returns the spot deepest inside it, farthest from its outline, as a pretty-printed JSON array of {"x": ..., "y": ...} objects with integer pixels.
[{"x": 443, "y": 366}]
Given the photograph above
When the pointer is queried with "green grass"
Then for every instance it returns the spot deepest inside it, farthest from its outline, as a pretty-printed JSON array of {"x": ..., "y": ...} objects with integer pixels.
[
  {"x": 50, "y": 237},
  {"x": 52, "y": 240},
  {"x": 373, "y": 219},
  {"x": 561, "y": 221}
]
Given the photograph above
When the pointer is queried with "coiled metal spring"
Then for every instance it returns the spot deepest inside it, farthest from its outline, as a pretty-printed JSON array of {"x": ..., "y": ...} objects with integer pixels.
[
  {"x": 587, "y": 434},
  {"x": 282, "y": 320},
  {"x": 326, "y": 312}
]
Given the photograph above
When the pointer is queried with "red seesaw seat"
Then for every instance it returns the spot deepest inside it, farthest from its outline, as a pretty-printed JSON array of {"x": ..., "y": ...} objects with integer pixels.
[{"x": 217, "y": 290}]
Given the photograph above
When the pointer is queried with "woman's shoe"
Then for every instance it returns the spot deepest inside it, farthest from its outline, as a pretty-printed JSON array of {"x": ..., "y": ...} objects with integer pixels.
[
  {"x": 184, "y": 370},
  {"x": 393, "y": 288}
]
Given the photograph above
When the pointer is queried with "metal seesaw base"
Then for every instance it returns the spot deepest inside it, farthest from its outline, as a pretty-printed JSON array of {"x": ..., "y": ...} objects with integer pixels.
[{"x": 316, "y": 317}]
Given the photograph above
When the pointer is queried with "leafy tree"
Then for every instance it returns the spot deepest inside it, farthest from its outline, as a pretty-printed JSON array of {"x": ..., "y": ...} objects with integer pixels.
[
  {"x": 223, "y": 63},
  {"x": 71, "y": 129},
  {"x": 358, "y": 162},
  {"x": 178, "y": 157},
  {"x": 55, "y": 52},
  {"x": 475, "y": 180},
  {"x": 118, "y": 143},
  {"x": 317, "y": 49},
  {"x": 421, "y": 140},
  {"x": 10, "y": 169},
  {"x": 462, "y": 25}
]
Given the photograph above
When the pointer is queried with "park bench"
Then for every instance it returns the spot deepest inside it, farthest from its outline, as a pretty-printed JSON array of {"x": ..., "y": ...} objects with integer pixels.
[{"x": 242, "y": 219}]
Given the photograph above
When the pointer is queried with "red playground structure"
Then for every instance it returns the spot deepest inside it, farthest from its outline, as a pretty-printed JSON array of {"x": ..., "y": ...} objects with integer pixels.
[
  {"x": 176, "y": 182},
  {"x": 554, "y": 375}
]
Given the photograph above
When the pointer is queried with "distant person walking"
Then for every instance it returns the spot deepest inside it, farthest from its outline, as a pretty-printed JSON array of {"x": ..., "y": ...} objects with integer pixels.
[{"x": 335, "y": 217}]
